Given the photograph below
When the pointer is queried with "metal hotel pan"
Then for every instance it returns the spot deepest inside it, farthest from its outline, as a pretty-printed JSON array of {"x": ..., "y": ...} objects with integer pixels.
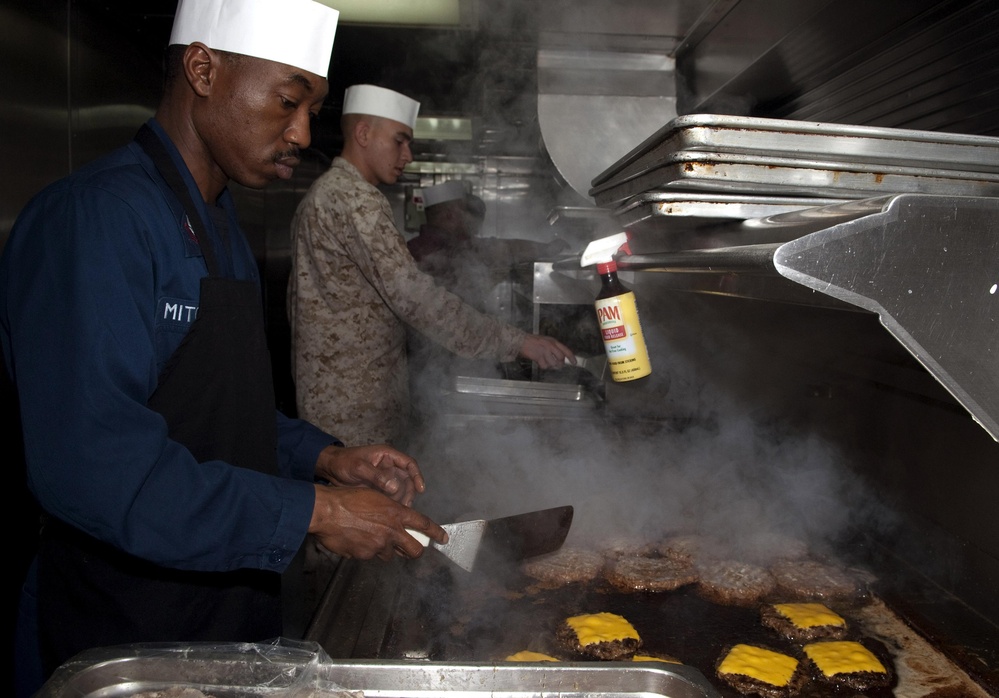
[
  {"x": 765, "y": 175},
  {"x": 527, "y": 391},
  {"x": 803, "y": 139},
  {"x": 238, "y": 673}
]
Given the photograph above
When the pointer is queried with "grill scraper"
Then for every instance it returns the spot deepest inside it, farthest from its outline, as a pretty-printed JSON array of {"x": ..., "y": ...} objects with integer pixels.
[
  {"x": 462, "y": 545},
  {"x": 508, "y": 539}
]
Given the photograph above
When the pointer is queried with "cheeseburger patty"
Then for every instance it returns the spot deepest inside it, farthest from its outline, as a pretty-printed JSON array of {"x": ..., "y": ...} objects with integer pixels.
[
  {"x": 760, "y": 671},
  {"x": 598, "y": 636},
  {"x": 808, "y": 579},
  {"x": 565, "y": 566},
  {"x": 734, "y": 583},
  {"x": 639, "y": 573},
  {"x": 803, "y": 622},
  {"x": 847, "y": 664}
]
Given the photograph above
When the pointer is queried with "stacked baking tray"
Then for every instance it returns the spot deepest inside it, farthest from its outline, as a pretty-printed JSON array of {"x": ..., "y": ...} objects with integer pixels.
[{"x": 720, "y": 166}]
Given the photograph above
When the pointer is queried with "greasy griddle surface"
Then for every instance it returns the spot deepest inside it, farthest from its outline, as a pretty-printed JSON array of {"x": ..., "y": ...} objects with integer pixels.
[{"x": 446, "y": 616}]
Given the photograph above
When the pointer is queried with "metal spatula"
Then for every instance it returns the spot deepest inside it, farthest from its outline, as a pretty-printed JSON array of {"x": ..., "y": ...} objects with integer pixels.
[
  {"x": 508, "y": 539},
  {"x": 462, "y": 542}
]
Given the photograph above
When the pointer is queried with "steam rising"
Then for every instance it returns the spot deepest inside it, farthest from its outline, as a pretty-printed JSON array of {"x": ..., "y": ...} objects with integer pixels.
[
  {"x": 719, "y": 440},
  {"x": 712, "y": 443}
]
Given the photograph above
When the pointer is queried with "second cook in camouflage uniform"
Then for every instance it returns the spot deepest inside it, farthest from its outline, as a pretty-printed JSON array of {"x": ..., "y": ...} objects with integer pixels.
[{"x": 354, "y": 287}]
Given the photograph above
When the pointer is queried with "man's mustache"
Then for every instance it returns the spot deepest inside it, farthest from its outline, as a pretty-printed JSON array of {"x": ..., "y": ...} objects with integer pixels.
[{"x": 290, "y": 153}]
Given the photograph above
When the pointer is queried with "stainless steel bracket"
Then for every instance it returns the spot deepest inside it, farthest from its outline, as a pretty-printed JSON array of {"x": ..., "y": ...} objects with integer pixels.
[{"x": 929, "y": 267}]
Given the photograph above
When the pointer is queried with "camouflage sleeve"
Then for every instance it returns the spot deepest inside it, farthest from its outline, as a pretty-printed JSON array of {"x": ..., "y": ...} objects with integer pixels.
[{"x": 381, "y": 253}]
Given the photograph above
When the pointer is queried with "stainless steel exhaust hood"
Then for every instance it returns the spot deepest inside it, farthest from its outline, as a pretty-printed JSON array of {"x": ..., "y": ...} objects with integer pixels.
[
  {"x": 893, "y": 230},
  {"x": 583, "y": 91}
]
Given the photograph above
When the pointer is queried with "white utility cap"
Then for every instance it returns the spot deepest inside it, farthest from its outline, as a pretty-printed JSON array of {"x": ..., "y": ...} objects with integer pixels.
[
  {"x": 380, "y": 101},
  {"x": 298, "y": 33},
  {"x": 452, "y": 190}
]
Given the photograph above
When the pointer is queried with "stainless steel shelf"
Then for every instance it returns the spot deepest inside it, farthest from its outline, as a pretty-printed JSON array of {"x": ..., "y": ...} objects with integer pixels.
[{"x": 925, "y": 264}]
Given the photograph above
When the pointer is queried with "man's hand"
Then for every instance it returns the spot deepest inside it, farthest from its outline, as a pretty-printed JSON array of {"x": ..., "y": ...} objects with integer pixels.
[
  {"x": 359, "y": 522},
  {"x": 547, "y": 352},
  {"x": 380, "y": 466}
]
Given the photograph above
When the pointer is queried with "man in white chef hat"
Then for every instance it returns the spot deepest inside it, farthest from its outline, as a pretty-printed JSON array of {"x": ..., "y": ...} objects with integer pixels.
[
  {"x": 174, "y": 493},
  {"x": 355, "y": 290}
]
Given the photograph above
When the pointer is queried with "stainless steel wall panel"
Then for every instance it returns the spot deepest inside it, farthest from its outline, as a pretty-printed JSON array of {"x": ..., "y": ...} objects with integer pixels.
[
  {"x": 74, "y": 86},
  {"x": 930, "y": 79},
  {"x": 34, "y": 119},
  {"x": 922, "y": 64}
]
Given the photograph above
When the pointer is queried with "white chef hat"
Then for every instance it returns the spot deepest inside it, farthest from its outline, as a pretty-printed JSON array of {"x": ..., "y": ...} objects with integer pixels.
[
  {"x": 295, "y": 32},
  {"x": 379, "y": 101},
  {"x": 452, "y": 190}
]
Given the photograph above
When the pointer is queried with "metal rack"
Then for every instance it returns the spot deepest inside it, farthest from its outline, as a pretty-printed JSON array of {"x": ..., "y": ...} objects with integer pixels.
[{"x": 925, "y": 264}]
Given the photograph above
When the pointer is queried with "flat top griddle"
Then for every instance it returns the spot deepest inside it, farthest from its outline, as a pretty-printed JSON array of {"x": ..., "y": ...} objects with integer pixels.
[{"x": 422, "y": 610}]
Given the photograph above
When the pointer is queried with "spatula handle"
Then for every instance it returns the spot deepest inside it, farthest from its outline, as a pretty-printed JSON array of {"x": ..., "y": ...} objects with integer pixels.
[{"x": 422, "y": 537}]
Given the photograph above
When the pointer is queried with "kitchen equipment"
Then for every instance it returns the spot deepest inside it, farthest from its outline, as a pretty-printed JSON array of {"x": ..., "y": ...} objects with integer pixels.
[
  {"x": 462, "y": 545},
  {"x": 513, "y": 538},
  {"x": 507, "y": 539},
  {"x": 593, "y": 363},
  {"x": 767, "y": 174},
  {"x": 474, "y": 397},
  {"x": 937, "y": 301},
  {"x": 526, "y": 392},
  {"x": 722, "y": 133},
  {"x": 710, "y": 206},
  {"x": 420, "y": 612},
  {"x": 229, "y": 671}
]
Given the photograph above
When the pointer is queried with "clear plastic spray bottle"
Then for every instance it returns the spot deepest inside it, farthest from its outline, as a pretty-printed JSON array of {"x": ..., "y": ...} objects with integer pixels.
[{"x": 617, "y": 312}]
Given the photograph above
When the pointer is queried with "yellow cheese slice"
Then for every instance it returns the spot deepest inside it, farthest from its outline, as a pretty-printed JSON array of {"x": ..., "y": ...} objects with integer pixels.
[
  {"x": 649, "y": 658},
  {"x": 528, "y": 656},
  {"x": 809, "y": 615},
  {"x": 764, "y": 665},
  {"x": 601, "y": 627},
  {"x": 843, "y": 657}
]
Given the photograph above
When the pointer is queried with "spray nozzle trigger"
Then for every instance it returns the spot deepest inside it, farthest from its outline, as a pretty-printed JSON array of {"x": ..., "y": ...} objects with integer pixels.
[{"x": 602, "y": 251}]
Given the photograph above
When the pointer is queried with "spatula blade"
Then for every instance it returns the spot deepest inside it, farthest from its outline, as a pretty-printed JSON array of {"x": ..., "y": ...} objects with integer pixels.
[
  {"x": 527, "y": 535},
  {"x": 463, "y": 542},
  {"x": 462, "y": 545}
]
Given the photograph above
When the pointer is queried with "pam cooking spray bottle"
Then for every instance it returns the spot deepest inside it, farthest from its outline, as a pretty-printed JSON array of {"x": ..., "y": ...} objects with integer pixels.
[{"x": 617, "y": 313}]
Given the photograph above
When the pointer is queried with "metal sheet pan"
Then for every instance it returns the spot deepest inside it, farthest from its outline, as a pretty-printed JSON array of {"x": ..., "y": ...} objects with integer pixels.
[
  {"x": 765, "y": 175},
  {"x": 712, "y": 206},
  {"x": 230, "y": 675},
  {"x": 720, "y": 133}
]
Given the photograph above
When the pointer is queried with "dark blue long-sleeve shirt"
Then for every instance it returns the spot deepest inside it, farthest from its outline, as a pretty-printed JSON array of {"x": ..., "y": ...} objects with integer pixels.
[{"x": 99, "y": 283}]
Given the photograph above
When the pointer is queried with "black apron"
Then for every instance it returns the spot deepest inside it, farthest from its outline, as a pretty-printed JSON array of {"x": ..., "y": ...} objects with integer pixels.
[{"x": 217, "y": 396}]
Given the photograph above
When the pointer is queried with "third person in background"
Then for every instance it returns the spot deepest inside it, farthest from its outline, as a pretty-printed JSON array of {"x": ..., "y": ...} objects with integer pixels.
[{"x": 450, "y": 246}]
